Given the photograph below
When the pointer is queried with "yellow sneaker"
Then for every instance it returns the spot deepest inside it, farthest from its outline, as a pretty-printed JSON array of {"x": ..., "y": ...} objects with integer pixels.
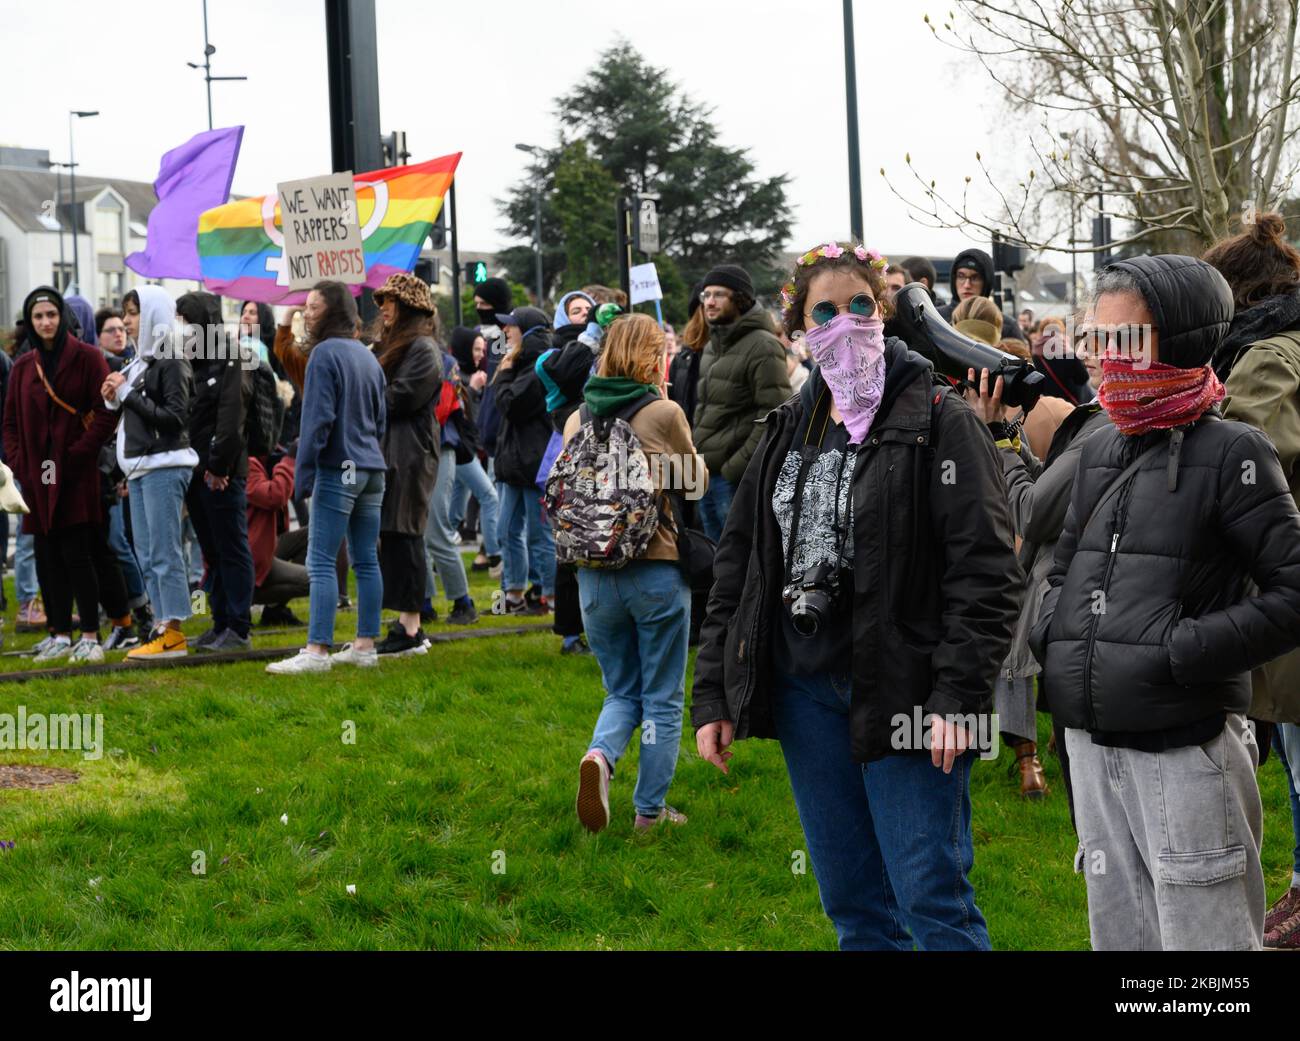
[{"x": 170, "y": 643}]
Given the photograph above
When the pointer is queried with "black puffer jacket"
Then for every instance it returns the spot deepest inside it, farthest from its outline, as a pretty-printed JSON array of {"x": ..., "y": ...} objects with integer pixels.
[
  {"x": 525, "y": 426},
  {"x": 1149, "y": 623},
  {"x": 936, "y": 584}
]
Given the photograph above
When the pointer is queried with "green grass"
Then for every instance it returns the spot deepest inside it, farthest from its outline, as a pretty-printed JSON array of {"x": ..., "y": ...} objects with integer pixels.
[{"x": 464, "y": 761}]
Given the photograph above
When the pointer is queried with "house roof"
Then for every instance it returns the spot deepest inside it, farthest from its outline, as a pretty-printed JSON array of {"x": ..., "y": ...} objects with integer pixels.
[{"x": 24, "y": 194}]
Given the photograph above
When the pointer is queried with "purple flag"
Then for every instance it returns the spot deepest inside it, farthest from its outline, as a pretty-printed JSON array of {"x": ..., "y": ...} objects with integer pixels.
[{"x": 192, "y": 178}]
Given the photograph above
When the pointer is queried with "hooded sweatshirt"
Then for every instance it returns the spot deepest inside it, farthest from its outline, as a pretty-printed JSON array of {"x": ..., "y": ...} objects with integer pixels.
[
  {"x": 85, "y": 316},
  {"x": 983, "y": 263},
  {"x": 561, "y": 309},
  {"x": 158, "y": 343}
]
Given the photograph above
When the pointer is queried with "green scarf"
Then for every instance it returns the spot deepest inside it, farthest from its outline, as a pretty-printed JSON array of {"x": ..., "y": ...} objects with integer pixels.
[{"x": 606, "y": 395}]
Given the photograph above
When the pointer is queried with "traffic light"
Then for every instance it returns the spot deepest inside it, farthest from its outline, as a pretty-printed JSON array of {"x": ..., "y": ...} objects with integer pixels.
[
  {"x": 1101, "y": 237},
  {"x": 395, "y": 153},
  {"x": 1006, "y": 257},
  {"x": 438, "y": 233},
  {"x": 476, "y": 271}
]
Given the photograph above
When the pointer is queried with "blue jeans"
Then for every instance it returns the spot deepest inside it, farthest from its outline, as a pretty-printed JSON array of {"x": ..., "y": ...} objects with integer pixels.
[
  {"x": 890, "y": 842},
  {"x": 157, "y": 497},
  {"x": 527, "y": 545},
  {"x": 638, "y": 621},
  {"x": 340, "y": 508},
  {"x": 136, "y": 593},
  {"x": 471, "y": 478},
  {"x": 714, "y": 505},
  {"x": 440, "y": 548},
  {"x": 26, "y": 586}
]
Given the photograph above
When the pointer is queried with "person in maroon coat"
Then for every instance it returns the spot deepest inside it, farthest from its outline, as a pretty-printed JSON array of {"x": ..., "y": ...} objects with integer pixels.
[{"x": 54, "y": 425}]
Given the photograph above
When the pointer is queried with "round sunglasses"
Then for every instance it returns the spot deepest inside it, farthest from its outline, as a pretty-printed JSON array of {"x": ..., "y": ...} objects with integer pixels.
[{"x": 863, "y": 305}]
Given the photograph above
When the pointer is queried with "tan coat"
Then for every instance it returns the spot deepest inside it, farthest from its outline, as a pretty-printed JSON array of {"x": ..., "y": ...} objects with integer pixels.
[
  {"x": 665, "y": 436},
  {"x": 1264, "y": 391}
]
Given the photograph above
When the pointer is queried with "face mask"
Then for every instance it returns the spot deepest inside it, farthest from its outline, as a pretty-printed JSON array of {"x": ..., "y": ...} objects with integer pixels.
[
  {"x": 487, "y": 317},
  {"x": 850, "y": 351}
]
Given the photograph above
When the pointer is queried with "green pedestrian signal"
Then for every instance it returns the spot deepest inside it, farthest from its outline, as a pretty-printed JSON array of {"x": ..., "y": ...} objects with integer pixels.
[{"x": 476, "y": 272}]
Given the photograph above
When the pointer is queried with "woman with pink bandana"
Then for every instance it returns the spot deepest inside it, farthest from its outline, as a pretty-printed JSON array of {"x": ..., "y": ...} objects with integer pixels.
[{"x": 864, "y": 595}]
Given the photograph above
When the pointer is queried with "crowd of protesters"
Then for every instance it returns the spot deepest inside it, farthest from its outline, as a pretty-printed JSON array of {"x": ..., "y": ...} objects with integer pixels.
[{"x": 874, "y": 559}]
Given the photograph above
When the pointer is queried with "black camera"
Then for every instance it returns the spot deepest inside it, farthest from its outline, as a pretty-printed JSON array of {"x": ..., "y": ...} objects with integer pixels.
[{"x": 811, "y": 597}]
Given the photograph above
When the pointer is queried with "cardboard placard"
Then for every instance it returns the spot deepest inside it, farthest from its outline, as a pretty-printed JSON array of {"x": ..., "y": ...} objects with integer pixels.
[
  {"x": 645, "y": 284},
  {"x": 322, "y": 237}
]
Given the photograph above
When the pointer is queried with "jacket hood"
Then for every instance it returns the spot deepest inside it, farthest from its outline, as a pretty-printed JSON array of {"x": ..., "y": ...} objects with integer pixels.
[
  {"x": 977, "y": 259},
  {"x": 462, "y": 348},
  {"x": 561, "y": 316},
  {"x": 46, "y": 294},
  {"x": 902, "y": 366},
  {"x": 1272, "y": 315},
  {"x": 608, "y": 395},
  {"x": 84, "y": 314},
  {"x": 1190, "y": 304},
  {"x": 756, "y": 318},
  {"x": 157, "y": 322},
  {"x": 199, "y": 309}
]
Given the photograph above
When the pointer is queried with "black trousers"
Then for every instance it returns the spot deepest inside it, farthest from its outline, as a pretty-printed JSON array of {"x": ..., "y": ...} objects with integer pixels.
[
  {"x": 75, "y": 563},
  {"x": 568, "y": 608},
  {"x": 221, "y": 522},
  {"x": 402, "y": 564}
]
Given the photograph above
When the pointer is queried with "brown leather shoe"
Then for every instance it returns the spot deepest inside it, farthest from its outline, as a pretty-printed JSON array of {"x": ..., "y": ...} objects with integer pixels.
[{"x": 1033, "y": 783}]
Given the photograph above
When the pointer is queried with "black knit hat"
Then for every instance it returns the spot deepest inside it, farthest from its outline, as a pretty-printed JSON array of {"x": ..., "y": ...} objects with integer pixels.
[
  {"x": 496, "y": 291},
  {"x": 693, "y": 304},
  {"x": 731, "y": 276}
]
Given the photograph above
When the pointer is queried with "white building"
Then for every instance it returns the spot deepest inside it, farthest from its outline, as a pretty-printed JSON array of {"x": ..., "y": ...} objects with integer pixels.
[{"x": 38, "y": 215}]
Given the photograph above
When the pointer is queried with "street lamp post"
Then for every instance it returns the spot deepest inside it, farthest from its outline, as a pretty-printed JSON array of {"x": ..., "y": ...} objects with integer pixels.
[
  {"x": 72, "y": 173},
  {"x": 58, "y": 217},
  {"x": 537, "y": 209},
  {"x": 208, "y": 52},
  {"x": 851, "y": 98}
]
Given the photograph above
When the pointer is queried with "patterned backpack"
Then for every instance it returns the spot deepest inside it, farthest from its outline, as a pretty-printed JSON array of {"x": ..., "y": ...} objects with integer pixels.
[{"x": 600, "y": 495}]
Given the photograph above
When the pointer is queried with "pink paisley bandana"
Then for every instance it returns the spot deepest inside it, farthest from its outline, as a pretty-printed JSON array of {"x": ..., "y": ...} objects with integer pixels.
[{"x": 850, "y": 351}]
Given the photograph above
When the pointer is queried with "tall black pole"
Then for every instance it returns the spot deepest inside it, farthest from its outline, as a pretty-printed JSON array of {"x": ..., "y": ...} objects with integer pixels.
[
  {"x": 455, "y": 255},
  {"x": 851, "y": 95},
  {"x": 353, "y": 62}
]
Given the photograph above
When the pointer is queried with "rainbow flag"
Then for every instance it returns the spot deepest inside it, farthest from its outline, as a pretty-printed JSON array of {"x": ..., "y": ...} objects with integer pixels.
[{"x": 241, "y": 246}]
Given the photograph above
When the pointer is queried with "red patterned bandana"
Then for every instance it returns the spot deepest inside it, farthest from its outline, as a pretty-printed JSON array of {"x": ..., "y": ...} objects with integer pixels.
[{"x": 1156, "y": 397}]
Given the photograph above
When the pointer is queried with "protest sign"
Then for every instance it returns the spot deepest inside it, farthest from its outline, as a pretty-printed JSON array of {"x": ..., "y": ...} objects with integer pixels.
[
  {"x": 645, "y": 284},
  {"x": 322, "y": 238}
]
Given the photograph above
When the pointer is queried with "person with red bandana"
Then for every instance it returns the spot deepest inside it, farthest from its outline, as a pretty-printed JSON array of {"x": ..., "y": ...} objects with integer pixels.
[{"x": 1151, "y": 625}]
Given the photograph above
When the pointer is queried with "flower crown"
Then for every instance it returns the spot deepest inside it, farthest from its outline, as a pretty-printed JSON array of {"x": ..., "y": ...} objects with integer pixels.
[{"x": 830, "y": 251}]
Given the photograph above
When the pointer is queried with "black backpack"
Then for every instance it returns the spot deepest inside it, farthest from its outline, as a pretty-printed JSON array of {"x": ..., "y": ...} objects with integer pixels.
[{"x": 265, "y": 413}]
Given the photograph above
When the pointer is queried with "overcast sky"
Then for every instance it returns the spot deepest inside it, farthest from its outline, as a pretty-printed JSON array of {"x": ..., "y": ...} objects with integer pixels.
[{"x": 477, "y": 77}]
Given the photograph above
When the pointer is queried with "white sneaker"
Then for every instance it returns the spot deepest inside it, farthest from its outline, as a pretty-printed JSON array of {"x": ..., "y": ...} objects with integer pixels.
[
  {"x": 349, "y": 655},
  {"x": 86, "y": 651},
  {"x": 303, "y": 661},
  {"x": 494, "y": 572},
  {"x": 53, "y": 648}
]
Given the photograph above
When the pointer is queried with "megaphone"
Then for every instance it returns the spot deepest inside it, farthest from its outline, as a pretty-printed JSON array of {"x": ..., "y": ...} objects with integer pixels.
[{"x": 954, "y": 354}]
